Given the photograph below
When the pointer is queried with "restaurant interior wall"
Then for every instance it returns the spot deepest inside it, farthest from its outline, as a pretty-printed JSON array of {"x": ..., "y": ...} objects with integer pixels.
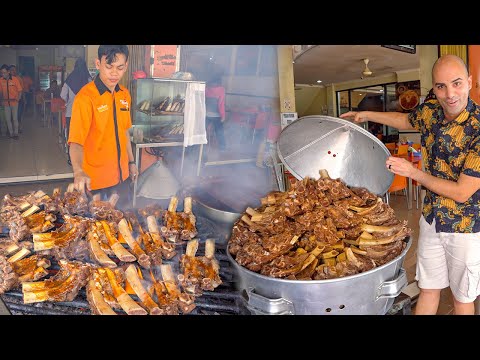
[
  {"x": 474, "y": 68},
  {"x": 310, "y": 100}
]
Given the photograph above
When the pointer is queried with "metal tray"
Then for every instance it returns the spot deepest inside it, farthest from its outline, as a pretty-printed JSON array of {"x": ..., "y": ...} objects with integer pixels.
[{"x": 344, "y": 149}]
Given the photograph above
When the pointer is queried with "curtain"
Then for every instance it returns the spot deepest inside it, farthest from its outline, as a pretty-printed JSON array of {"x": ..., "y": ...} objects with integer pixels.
[
  {"x": 459, "y": 50},
  {"x": 136, "y": 61}
]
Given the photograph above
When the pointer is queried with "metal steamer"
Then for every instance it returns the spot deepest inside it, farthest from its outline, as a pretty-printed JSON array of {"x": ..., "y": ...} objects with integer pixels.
[{"x": 349, "y": 152}]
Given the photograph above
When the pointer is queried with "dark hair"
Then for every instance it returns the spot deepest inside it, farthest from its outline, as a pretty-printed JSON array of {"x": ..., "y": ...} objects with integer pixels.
[
  {"x": 11, "y": 67},
  {"x": 111, "y": 51},
  {"x": 4, "y": 66},
  {"x": 215, "y": 78}
]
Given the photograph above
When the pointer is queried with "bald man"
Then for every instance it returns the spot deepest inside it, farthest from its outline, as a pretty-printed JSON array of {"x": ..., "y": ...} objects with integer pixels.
[{"x": 448, "y": 253}]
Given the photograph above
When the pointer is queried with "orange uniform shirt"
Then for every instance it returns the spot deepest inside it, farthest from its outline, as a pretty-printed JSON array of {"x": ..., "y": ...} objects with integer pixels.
[
  {"x": 9, "y": 91},
  {"x": 99, "y": 123},
  {"x": 27, "y": 83}
]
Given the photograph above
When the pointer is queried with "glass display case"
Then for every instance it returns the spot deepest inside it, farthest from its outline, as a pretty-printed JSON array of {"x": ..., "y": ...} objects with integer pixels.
[
  {"x": 158, "y": 109},
  {"x": 158, "y": 116}
]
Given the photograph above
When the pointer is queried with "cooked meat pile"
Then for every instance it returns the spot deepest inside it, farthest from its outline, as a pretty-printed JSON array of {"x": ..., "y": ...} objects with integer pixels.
[
  {"x": 319, "y": 229},
  {"x": 93, "y": 245}
]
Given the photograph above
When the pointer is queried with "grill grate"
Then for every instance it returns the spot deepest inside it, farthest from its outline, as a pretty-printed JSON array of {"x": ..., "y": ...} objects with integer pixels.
[{"x": 225, "y": 300}]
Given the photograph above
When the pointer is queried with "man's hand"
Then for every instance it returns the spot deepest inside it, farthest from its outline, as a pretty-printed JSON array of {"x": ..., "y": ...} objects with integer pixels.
[
  {"x": 401, "y": 167},
  {"x": 133, "y": 171},
  {"x": 357, "y": 116},
  {"x": 81, "y": 181}
]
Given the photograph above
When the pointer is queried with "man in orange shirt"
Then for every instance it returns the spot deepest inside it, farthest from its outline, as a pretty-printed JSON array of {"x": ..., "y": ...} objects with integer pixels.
[
  {"x": 100, "y": 148},
  {"x": 10, "y": 91},
  {"x": 21, "y": 102}
]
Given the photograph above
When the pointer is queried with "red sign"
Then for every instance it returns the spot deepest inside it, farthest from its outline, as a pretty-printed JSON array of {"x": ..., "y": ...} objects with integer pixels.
[{"x": 164, "y": 61}]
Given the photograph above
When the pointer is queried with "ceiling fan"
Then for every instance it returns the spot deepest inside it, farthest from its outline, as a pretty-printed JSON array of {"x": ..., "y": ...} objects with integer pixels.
[{"x": 366, "y": 72}]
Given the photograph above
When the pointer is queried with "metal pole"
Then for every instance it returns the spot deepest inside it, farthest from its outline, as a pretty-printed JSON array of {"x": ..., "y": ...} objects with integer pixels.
[{"x": 134, "y": 201}]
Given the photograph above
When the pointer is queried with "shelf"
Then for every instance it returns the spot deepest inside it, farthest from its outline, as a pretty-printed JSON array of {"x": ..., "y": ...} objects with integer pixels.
[{"x": 161, "y": 113}]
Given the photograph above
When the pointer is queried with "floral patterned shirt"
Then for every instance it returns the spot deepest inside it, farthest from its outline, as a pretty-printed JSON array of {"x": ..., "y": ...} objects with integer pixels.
[{"x": 449, "y": 149}]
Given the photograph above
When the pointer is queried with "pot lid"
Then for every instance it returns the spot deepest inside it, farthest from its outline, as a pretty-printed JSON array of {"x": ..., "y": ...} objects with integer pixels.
[{"x": 346, "y": 150}]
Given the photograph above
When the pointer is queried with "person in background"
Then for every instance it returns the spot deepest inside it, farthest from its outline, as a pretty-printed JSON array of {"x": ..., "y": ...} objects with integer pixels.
[
  {"x": 53, "y": 91},
  {"x": 21, "y": 103},
  {"x": 27, "y": 89},
  {"x": 448, "y": 251},
  {"x": 10, "y": 92},
  {"x": 99, "y": 139},
  {"x": 215, "y": 107},
  {"x": 73, "y": 83}
]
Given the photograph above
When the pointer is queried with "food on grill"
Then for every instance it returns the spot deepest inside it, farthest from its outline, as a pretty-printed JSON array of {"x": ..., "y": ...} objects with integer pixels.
[
  {"x": 97, "y": 303},
  {"x": 319, "y": 229},
  {"x": 41, "y": 221},
  {"x": 199, "y": 273},
  {"x": 96, "y": 251},
  {"x": 92, "y": 250},
  {"x": 143, "y": 295},
  {"x": 185, "y": 302},
  {"x": 179, "y": 225},
  {"x": 167, "y": 249},
  {"x": 15, "y": 267},
  {"x": 64, "y": 286},
  {"x": 153, "y": 250},
  {"x": 120, "y": 252},
  {"x": 166, "y": 302},
  {"x": 74, "y": 202},
  {"x": 142, "y": 258},
  {"x": 152, "y": 210},
  {"x": 126, "y": 302},
  {"x": 67, "y": 242},
  {"x": 105, "y": 210}
]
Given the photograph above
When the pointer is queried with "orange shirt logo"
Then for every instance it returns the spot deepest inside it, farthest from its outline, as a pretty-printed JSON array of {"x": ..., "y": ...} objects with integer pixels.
[{"x": 102, "y": 108}]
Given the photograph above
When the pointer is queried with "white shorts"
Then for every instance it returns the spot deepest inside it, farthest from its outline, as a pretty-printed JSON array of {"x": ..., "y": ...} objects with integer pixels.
[{"x": 448, "y": 259}]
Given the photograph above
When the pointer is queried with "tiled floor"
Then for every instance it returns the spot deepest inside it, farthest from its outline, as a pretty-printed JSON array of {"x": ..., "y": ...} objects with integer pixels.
[
  {"x": 36, "y": 155},
  {"x": 398, "y": 203}
]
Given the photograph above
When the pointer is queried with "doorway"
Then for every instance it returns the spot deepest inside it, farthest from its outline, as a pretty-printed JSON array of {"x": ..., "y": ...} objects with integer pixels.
[{"x": 26, "y": 66}]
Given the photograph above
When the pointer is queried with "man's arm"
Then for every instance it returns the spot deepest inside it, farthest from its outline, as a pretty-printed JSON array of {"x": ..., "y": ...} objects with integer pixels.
[
  {"x": 132, "y": 167},
  {"x": 459, "y": 191},
  {"x": 80, "y": 178},
  {"x": 394, "y": 119}
]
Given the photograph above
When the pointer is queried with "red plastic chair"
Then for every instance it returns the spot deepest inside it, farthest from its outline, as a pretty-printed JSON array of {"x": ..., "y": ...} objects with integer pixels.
[{"x": 57, "y": 104}]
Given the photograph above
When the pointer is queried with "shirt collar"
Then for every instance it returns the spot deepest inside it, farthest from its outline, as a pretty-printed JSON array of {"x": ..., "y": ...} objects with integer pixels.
[
  {"x": 102, "y": 88},
  {"x": 462, "y": 117}
]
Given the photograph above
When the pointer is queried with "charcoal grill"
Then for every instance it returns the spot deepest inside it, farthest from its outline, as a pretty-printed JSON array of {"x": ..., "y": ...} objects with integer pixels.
[{"x": 224, "y": 300}]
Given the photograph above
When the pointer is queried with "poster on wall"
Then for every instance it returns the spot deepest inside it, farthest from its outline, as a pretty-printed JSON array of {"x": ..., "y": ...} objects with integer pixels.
[
  {"x": 408, "y": 95},
  {"x": 164, "y": 61}
]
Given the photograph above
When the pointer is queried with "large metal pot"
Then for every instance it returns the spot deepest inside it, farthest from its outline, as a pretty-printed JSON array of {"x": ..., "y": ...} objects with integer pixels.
[
  {"x": 368, "y": 293},
  {"x": 223, "y": 219}
]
